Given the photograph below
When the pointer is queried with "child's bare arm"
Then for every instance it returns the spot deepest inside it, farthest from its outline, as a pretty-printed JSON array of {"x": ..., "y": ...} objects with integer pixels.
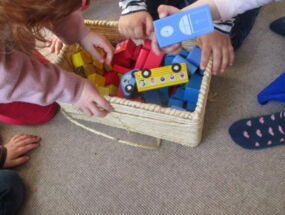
[{"x": 225, "y": 9}]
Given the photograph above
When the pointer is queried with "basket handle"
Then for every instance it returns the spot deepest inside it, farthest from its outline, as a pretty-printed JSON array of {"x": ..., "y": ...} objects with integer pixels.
[{"x": 76, "y": 122}]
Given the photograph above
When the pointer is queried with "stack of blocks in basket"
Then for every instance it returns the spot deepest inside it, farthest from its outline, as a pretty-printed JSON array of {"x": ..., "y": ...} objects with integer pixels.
[
  {"x": 128, "y": 56},
  {"x": 142, "y": 57},
  {"x": 186, "y": 96},
  {"x": 99, "y": 74}
]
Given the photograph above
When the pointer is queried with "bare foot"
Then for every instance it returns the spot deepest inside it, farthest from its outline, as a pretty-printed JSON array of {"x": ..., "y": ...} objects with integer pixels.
[{"x": 17, "y": 147}]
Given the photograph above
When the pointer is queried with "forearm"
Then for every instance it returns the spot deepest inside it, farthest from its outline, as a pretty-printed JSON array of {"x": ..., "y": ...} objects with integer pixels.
[
  {"x": 225, "y": 9},
  {"x": 25, "y": 79},
  {"x": 211, "y": 3}
]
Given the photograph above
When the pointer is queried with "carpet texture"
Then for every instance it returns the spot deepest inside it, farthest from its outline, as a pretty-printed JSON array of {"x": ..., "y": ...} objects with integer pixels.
[{"x": 76, "y": 172}]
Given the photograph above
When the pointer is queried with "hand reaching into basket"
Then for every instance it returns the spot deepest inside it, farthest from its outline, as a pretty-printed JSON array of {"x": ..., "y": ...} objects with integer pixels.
[
  {"x": 92, "y": 40},
  {"x": 92, "y": 103},
  {"x": 216, "y": 44}
]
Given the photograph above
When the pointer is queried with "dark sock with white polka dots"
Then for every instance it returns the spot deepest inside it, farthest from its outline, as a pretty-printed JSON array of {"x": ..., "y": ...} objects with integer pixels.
[{"x": 259, "y": 132}]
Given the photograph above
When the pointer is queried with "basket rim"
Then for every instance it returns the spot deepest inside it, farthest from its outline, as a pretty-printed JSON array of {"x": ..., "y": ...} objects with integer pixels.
[{"x": 202, "y": 98}]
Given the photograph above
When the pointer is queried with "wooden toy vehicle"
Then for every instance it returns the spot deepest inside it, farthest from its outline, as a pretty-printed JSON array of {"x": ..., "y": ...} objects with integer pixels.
[
  {"x": 128, "y": 83},
  {"x": 149, "y": 79}
]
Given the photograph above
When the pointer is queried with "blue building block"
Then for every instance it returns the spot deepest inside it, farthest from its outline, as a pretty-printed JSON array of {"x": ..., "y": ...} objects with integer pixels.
[
  {"x": 195, "y": 81},
  {"x": 175, "y": 103},
  {"x": 191, "y": 106},
  {"x": 159, "y": 96},
  {"x": 191, "y": 95},
  {"x": 184, "y": 25},
  {"x": 179, "y": 94},
  {"x": 183, "y": 53},
  {"x": 168, "y": 59},
  {"x": 201, "y": 72},
  {"x": 163, "y": 95},
  {"x": 194, "y": 56},
  {"x": 190, "y": 67},
  {"x": 152, "y": 96}
]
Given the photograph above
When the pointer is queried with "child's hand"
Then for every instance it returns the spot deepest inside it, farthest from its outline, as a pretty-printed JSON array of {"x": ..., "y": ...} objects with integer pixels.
[
  {"x": 17, "y": 147},
  {"x": 219, "y": 45},
  {"x": 93, "y": 40},
  {"x": 163, "y": 11},
  {"x": 136, "y": 25},
  {"x": 55, "y": 44},
  {"x": 92, "y": 103}
]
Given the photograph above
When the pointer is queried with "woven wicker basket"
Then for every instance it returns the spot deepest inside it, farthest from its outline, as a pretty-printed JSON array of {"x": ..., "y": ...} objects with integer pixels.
[{"x": 164, "y": 123}]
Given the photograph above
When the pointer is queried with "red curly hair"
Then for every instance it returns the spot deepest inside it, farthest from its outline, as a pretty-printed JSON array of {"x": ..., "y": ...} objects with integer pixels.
[{"x": 22, "y": 20}]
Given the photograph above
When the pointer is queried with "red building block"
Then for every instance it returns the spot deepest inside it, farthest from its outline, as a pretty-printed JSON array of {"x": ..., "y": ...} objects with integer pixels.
[
  {"x": 121, "y": 61},
  {"x": 141, "y": 58},
  {"x": 120, "y": 69},
  {"x": 147, "y": 44},
  {"x": 136, "y": 53},
  {"x": 153, "y": 60},
  {"x": 112, "y": 78},
  {"x": 125, "y": 49}
]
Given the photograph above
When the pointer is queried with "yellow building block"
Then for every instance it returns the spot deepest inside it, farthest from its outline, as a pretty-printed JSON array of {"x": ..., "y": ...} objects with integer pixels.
[
  {"x": 81, "y": 58},
  {"x": 100, "y": 51},
  {"x": 104, "y": 91},
  {"x": 107, "y": 67},
  {"x": 87, "y": 58},
  {"x": 112, "y": 89},
  {"x": 98, "y": 65},
  {"x": 97, "y": 79},
  {"x": 89, "y": 69}
]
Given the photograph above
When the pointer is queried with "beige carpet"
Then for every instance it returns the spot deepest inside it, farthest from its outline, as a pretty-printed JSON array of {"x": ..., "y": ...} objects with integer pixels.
[{"x": 76, "y": 172}]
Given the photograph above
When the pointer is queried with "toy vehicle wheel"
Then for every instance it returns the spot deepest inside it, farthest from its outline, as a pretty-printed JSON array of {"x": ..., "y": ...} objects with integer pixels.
[
  {"x": 133, "y": 73},
  {"x": 129, "y": 88},
  {"x": 176, "y": 67},
  {"x": 146, "y": 73}
]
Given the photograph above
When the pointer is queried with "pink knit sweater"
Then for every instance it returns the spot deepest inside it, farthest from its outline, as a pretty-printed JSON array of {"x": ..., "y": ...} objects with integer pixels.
[{"x": 25, "y": 79}]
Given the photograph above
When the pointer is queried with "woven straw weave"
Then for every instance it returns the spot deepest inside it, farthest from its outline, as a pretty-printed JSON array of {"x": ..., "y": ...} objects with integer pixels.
[{"x": 181, "y": 127}]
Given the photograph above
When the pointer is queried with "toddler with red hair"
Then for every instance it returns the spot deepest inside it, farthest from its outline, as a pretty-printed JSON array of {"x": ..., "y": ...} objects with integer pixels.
[{"x": 30, "y": 88}]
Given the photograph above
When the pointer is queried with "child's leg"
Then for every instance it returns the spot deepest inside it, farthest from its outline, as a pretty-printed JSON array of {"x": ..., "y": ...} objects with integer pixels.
[
  {"x": 11, "y": 192},
  {"x": 278, "y": 26},
  {"x": 243, "y": 25},
  {"x": 259, "y": 132},
  {"x": 22, "y": 113}
]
